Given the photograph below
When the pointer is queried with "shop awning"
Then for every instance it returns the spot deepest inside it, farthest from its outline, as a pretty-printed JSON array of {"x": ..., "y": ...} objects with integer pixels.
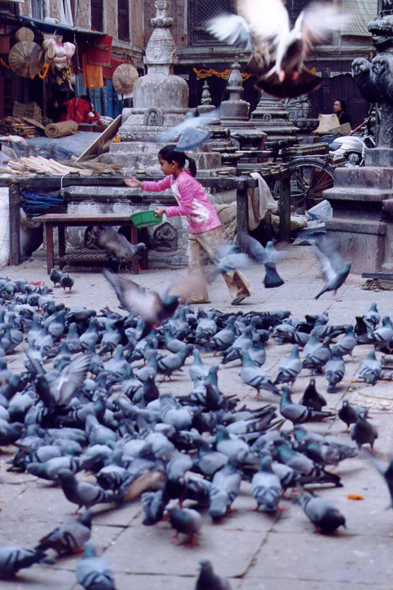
[{"x": 46, "y": 27}]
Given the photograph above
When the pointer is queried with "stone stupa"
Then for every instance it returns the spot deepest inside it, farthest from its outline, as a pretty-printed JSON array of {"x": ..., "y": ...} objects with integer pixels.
[{"x": 160, "y": 100}]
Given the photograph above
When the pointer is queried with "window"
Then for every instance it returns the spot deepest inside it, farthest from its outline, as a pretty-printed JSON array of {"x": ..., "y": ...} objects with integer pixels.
[
  {"x": 37, "y": 9},
  {"x": 97, "y": 15},
  {"x": 201, "y": 11},
  {"x": 123, "y": 20}
]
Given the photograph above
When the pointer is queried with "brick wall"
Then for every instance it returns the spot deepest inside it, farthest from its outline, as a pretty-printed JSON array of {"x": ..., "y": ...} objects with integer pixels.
[
  {"x": 111, "y": 18},
  {"x": 176, "y": 10}
]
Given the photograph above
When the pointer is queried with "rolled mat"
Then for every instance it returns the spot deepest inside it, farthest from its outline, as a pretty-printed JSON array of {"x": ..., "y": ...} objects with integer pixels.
[{"x": 61, "y": 129}]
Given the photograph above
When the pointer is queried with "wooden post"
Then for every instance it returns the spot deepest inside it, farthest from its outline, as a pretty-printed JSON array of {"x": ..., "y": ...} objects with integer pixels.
[
  {"x": 50, "y": 257},
  {"x": 242, "y": 214},
  {"x": 62, "y": 246},
  {"x": 285, "y": 210},
  {"x": 14, "y": 198}
]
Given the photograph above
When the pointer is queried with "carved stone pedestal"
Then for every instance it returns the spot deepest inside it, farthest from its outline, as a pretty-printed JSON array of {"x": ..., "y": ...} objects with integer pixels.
[{"x": 362, "y": 198}]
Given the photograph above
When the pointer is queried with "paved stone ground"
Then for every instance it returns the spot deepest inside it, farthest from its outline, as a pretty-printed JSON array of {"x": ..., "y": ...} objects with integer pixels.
[{"x": 256, "y": 551}]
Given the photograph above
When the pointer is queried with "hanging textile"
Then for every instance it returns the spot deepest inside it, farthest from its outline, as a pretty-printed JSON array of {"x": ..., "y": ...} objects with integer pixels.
[
  {"x": 92, "y": 75},
  {"x": 108, "y": 71},
  {"x": 99, "y": 51}
]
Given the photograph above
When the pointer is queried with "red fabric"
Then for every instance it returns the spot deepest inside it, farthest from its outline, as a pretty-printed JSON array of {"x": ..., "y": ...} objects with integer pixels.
[
  {"x": 78, "y": 109},
  {"x": 99, "y": 51},
  {"x": 108, "y": 71}
]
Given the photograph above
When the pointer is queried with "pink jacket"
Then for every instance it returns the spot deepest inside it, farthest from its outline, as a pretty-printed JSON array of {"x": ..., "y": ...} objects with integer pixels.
[{"x": 192, "y": 199}]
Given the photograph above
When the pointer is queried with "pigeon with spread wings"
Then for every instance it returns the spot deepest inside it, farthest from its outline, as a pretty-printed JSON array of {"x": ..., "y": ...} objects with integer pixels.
[
  {"x": 333, "y": 269},
  {"x": 190, "y": 131},
  {"x": 150, "y": 305},
  {"x": 278, "y": 52}
]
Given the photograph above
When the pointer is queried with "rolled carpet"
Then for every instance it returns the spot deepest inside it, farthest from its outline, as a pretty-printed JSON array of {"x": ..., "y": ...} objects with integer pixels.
[{"x": 62, "y": 129}]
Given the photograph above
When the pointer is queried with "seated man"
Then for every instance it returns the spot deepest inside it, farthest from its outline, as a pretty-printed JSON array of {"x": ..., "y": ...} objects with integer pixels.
[{"x": 79, "y": 110}]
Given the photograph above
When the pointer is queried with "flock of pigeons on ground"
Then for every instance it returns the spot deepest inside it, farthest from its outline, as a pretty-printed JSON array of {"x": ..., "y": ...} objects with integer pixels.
[{"x": 89, "y": 401}]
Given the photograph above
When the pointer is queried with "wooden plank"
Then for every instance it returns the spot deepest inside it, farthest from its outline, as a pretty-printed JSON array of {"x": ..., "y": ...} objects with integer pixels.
[
  {"x": 377, "y": 275},
  {"x": 14, "y": 198},
  {"x": 68, "y": 219},
  {"x": 34, "y": 122},
  {"x": 95, "y": 149}
]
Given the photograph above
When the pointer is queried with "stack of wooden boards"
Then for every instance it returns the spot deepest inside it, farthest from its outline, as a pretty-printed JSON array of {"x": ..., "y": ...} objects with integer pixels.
[
  {"x": 40, "y": 165},
  {"x": 18, "y": 126}
]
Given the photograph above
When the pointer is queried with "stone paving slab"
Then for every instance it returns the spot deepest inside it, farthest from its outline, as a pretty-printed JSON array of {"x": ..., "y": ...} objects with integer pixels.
[
  {"x": 151, "y": 550},
  {"x": 334, "y": 558}
]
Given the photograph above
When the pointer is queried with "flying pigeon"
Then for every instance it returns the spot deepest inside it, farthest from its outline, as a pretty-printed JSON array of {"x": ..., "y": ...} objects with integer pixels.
[
  {"x": 278, "y": 53},
  {"x": 190, "y": 131},
  {"x": 334, "y": 271}
]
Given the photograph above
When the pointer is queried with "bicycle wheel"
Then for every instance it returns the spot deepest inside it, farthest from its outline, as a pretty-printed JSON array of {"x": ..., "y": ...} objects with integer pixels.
[{"x": 309, "y": 179}]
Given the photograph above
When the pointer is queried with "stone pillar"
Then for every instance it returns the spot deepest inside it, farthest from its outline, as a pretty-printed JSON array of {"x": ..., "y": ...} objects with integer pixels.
[{"x": 271, "y": 117}]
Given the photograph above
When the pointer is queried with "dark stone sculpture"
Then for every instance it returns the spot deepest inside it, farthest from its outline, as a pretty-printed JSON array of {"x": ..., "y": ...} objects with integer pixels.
[
  {"x": 165, "y": 238},
  {"x": 375, "y": 79}
]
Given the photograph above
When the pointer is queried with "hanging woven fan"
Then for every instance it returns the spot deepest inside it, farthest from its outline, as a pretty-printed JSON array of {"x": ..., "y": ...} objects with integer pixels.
[
  {"x": 24, "y": 34},
  {"x": 26, "y": 58},
  {"x": 124, "y": 78}
]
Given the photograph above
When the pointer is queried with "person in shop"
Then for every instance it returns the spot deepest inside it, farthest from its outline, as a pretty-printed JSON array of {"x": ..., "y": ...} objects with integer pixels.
[
  {"x": 340, "y": 109},
  {"x": 80, "y": 110}
]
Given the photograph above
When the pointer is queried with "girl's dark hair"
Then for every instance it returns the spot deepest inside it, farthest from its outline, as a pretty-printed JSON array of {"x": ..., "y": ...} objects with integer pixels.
[
  {"x": 342, "y": 103},
  {"x": 169, "y": 154}
]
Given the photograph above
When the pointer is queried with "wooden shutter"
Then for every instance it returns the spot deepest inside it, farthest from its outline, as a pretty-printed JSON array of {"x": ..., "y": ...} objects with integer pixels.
[
  {"x": 97, "y": 15},
  {"x": 123, "y": 20}
]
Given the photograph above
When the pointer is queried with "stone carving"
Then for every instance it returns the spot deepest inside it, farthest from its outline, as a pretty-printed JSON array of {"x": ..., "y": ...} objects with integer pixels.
[
  {"x": 165, "y": 238},
  {"x": 153, "y": 117},
  {"x": 375, "y": 78}
]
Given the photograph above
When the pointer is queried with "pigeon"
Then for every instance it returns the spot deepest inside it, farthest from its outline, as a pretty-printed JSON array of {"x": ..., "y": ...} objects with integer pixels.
[
  {"x": 386, "y": 472},
  {"x": 324, "y": 515},
  {"x": 347, "y": 413},
  {"x": 290, "y": 367},
  {"x": 363, "y": 432},
  {"x": 334, "y": 271},
  {"x": 69, "y": 537},
  {"x": 311, "y": 398},
  {"x": 325, "y": 453},
  {"x": 55, "y": 276},
  {"x": 13, "y": 559},
  {"x": 117, "y": 245},
  {"x": 67, "y": 282},
  {"x": 185, "y": 521},
  {"x": 173, "y": 362},
  {"x": 383, "y": 335},
  {"x": 153, "y": 503},
  {"x": 82, "y": 493},
  {"x": 208, "y": 580},
  {"x": 92, "y": 572},
  {"x": 255, "y": 376},
  {"x": 347, "y": 343},
  {"x": 297, "y": 413},
  {"x": 198, "y": 369},
  {"x": 149, "y": 305},
  {"x": 367, "y": 323},
  {"x": 190, "y": 131},
  {"x": 229, "y": 258},
  {"x": 224, "y": 490},
  {"x": 370, "y": 368},
  {"x": 266, "y": 486},
  {"x": 278, "y": 53},
  {"x": 318, "y": 358},
  {"x": 335, "y": 369},
  {"x": 268, "y": 256}
]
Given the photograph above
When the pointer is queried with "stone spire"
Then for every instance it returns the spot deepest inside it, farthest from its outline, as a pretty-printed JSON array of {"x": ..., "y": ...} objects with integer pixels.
[
  {"x": 272, "y": 117},
  {"x": 206, "y": 105},
  {"x": 161, "y": 54}
]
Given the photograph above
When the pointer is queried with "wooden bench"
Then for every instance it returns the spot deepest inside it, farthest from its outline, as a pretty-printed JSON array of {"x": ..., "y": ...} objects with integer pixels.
[{"x": 63, "y": 220}]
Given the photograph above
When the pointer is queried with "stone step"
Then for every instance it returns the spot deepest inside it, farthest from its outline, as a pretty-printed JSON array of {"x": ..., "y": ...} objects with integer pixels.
[
  {"x": 368, "y": 177},
  {"x": 371, "y": 195},
  {"x": 148, "y": 160}
]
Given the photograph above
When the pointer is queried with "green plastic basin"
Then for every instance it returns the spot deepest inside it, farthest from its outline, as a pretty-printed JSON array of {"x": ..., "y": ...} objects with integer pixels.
[{"x": 145, "y": 219}]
